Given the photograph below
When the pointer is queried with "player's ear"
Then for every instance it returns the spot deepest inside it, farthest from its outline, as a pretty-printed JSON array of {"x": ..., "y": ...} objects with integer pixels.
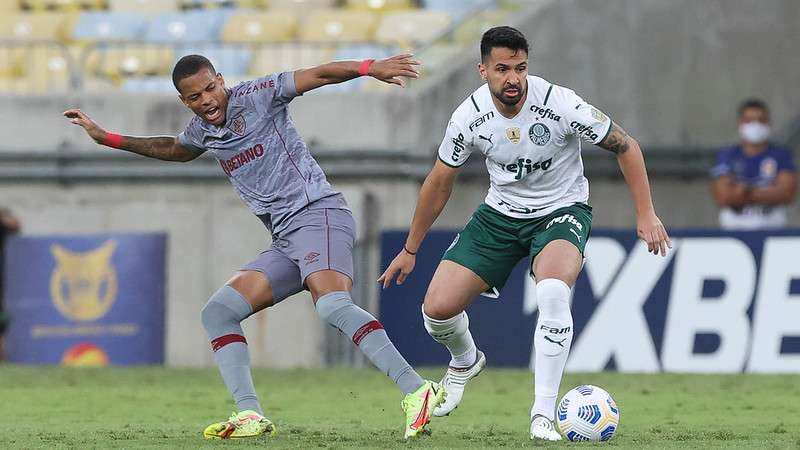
[
  {"x": 482, "y": 71},
  {"x": 220, "y": 79}
]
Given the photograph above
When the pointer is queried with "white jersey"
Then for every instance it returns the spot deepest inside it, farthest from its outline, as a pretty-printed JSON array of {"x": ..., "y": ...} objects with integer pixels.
[{"x": 534, "y": 159}]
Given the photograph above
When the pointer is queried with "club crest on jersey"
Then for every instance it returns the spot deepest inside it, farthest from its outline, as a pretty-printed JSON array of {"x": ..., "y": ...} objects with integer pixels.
[
  {"x": 238, "y": 125},
  {"x": 513, "y": 134},
  {"x": 539, "y": 134}
]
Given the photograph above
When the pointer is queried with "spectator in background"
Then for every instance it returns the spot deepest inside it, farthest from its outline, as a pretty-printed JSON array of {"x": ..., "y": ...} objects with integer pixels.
[
  {"x": 9, "y": 224},
  {"x": 754, "y": 180}
]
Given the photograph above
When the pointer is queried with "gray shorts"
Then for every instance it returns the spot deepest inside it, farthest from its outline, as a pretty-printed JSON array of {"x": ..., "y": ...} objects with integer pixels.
[{"x": 318, "y": 239}]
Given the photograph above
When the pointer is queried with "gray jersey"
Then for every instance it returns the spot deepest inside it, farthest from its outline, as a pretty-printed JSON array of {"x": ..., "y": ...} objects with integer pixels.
[{"x": 262, "y": 154}]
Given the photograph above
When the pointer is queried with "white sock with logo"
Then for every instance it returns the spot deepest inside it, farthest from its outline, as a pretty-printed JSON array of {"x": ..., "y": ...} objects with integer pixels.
[
  {"x": 454, "y": 334},
  {"x": 552, "y": 340}
]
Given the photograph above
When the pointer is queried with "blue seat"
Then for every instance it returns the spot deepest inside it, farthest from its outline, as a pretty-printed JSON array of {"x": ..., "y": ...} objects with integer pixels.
[
  {"x": 364, "y": 51},
  {"x": 459, "y": 8},
  {"x": 109, "y": 26},
  {"x": 148, "y": 85},
  {"x": 192, "y": 26},
  {"x": 230, "y": 60}
]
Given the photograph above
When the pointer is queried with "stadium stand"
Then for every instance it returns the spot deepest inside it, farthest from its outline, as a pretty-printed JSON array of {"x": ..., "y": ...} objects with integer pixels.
[
  {"x": 273, "y": 26},
  {"x": 147, "y": 7},
  {"x": 412, "y": 28},
  {"x": 105, "y": 26},
  {"x": 338, "y": 26},
  {"x": 108, "y": 44}
]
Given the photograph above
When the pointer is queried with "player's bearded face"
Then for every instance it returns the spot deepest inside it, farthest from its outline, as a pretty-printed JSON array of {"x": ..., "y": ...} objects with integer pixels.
[
  {"x": 506, "y": 72},
  {"x": 204, "y": 93}
]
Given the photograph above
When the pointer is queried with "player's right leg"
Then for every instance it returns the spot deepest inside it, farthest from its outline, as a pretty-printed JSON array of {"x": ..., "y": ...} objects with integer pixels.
[
  {"x": 481, "y": 257},
  {"x": 249, "y": 291},
  {"x": 451, "y": 290}
]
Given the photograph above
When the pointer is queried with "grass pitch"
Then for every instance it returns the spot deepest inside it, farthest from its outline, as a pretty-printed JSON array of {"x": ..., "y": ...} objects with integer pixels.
[{"x": 360, "y": 408}]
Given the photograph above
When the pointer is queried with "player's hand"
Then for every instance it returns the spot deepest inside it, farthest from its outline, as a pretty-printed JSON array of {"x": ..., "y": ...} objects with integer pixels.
[
  {"x": 652, "y": 231},
  {"x": 390, "y": 70},
  {"x": 401, "y": 265},
  {"x": 78, "y": 117}
]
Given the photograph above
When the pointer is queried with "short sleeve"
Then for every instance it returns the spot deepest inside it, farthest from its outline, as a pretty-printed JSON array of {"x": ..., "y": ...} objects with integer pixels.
[
  {"x": 192, "y": 136},
  {"x": 456, "y": 146},
  {"x": 274, "y": 90},
  {"x": 584, "y": 120},
  {"x": 722, "y": 166},
  {"x": 785, "y": 161}
]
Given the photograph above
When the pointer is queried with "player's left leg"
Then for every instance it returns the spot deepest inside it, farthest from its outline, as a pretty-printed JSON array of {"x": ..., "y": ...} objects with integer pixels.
[
  {"x": 557, "y": 251},
  {"x": 556, "y": 268},
  {"x": 324, "y": 253}
]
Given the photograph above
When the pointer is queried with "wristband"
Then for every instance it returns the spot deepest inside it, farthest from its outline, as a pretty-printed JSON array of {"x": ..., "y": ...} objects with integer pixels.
[
  {"x": 113, "y": 140},
  {"x": 363, "y": 69},
  {"x": 409, "y": 251}
]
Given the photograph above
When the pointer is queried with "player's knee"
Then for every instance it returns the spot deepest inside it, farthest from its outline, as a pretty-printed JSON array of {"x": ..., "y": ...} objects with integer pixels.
[
  {"x": 225, "y": 307},
  {"x": 552, "y": 297},
  {"x": 438, "y": 310},
  {"x": 444, "y": 328},
  {"x": 331, "y": 304}
]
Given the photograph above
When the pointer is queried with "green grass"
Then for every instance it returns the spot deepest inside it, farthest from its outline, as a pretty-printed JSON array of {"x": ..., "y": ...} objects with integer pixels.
[{"x": 349, "y": 408}]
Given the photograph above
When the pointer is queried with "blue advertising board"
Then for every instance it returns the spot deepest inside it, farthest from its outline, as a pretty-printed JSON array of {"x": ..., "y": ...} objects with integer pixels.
[
  {"x": 85, "y": 300},
  {"x": 719, "y": 302}
]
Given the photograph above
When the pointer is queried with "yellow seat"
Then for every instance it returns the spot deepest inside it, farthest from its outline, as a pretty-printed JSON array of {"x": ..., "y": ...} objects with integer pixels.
[
  {"x": 411, "y": 28},
  {"x": 276, "y": 26},
  {"x": 9, "y": 7},
  {"x": 470, "y": 32},
  {"x": 47, "y": 26},
  {"x": 62, "y": 5},
  {"x": 129, "y": 61},
  {"x": 37, "y": 69},
  {"x": 283, "y": 58},
  {"x": 338, "y": 26},
  {"x": 301, "y": 5},
  {"x": 380, "y": 5},
  {"x": 148, "y": 7}
]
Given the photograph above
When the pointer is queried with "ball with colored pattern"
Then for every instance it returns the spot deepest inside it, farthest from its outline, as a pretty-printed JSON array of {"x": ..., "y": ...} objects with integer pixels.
[{"x": 587, "y": 413}]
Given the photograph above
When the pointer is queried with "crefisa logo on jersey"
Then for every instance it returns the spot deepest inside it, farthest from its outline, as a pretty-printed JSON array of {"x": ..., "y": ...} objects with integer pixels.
[
  {"x": 545, "y": 113},
  {"x": 458, "y": 146},
  {"x": 539, "y": 134}
]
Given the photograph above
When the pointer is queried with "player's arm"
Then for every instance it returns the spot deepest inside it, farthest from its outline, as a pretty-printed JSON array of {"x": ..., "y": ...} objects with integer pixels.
[
  {"x": 433, "y": 195},
  {"x": 388, "y": 70},
  {"x": 780, "y": 193},
  {"x": 165, "y": 148},
  {"x": 631, "y": 161}
]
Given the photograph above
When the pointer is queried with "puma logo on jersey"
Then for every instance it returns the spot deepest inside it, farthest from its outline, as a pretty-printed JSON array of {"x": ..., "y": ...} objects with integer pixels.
[
  {"x": 523, "y": 167},
  {"x": 545, "y": 113},
  {"x": 486, "y": 139},
  {"x": 576, "y": 234}
]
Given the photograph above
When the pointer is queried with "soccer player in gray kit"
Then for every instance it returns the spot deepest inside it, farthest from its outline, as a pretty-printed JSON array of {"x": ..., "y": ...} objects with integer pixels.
[{"x": 249, "y": 131}]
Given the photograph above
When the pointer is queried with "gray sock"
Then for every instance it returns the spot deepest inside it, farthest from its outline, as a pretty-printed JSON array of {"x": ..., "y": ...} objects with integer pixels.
[
  {"x": 221, "y": 319},
  {"x": 368, "y": 334}
]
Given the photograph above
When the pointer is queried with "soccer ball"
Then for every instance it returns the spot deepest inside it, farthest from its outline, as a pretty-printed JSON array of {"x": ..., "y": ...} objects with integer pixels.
[{"x": 587, "y": 413}]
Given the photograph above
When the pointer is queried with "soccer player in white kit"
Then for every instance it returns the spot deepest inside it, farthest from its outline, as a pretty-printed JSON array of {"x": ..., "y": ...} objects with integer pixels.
[{"x": 530, "y": 131}]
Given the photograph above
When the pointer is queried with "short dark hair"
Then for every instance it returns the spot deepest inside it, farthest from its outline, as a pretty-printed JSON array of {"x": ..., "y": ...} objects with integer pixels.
[
  {"x": 753, "y": 102},
  {"x": 506, "y": 37},
  {"x": 188, "y": 66}
]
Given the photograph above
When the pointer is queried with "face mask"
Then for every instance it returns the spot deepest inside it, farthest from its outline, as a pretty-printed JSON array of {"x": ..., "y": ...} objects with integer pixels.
[{"x": 754, "y": 132}]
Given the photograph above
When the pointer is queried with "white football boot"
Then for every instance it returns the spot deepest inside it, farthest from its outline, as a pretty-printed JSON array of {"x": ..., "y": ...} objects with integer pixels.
[
  {"x": 544, "y": 429},
  {"x": 454, "y": 381}
]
